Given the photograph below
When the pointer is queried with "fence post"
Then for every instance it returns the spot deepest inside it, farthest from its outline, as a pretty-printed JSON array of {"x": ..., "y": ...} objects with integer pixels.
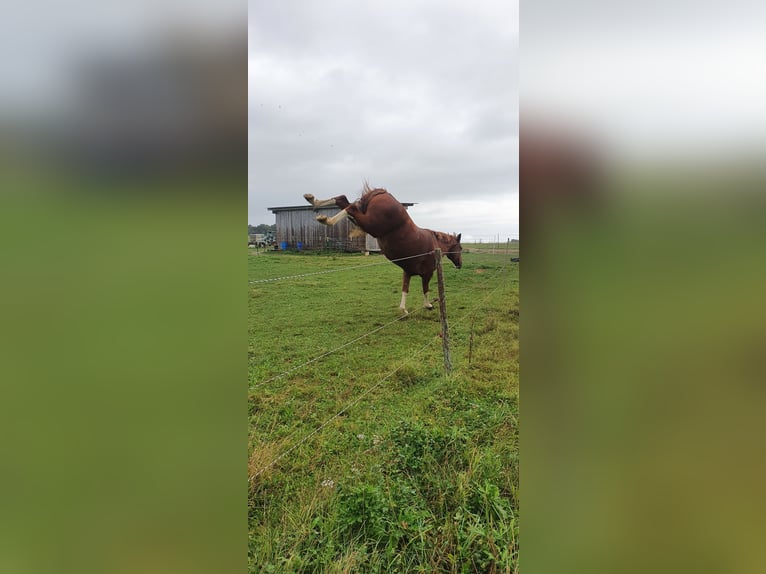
[{"x": 443, "y": 312}]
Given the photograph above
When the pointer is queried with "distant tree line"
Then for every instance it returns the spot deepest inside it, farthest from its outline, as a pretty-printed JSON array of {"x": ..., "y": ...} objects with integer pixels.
[{"x": 261, "y": 228}]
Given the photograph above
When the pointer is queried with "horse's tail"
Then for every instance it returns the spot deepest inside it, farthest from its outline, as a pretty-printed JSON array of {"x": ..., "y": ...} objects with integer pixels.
[{"x": 356, "y": 232}]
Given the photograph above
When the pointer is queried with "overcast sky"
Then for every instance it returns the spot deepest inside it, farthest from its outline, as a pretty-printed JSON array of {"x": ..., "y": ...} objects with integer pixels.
[
  {"x": 654, "y": 79},
  {"x": 420, "y": 98}
]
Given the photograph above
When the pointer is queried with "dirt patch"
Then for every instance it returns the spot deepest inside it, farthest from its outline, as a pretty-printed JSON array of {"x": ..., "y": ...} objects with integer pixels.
[{"x": 481, "y": 270}]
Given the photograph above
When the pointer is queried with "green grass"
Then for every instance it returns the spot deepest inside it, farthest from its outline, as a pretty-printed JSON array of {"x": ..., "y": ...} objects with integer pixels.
[
  {"x": 387, "y": 464},
  {"x": 493, "y": 248}
]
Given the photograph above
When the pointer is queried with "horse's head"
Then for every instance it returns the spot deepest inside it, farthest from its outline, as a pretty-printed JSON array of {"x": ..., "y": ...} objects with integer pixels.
[{"x": 450, "y": 245}]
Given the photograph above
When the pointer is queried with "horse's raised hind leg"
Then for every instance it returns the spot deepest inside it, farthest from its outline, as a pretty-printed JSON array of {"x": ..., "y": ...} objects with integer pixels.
[
  {"x": 339, "y": 201},
  {"x": 426, "y": 280},
  {"x": 340, "y": 216},
  {"x": 318, "y": 202}
]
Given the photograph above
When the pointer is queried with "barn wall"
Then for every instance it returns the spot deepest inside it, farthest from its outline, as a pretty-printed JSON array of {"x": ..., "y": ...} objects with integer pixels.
[
  {"x": 294, "y": 225},
  {"x": 298, "y": 224},
  {"x": 371, "y": 243}
]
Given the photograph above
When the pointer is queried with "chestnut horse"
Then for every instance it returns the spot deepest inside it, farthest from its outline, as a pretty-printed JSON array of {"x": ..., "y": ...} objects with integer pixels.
[{"x": 379, "y": 214}]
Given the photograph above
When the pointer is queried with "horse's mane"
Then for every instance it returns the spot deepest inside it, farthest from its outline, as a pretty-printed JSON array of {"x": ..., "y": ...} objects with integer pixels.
[
  {"x": 367, "y": 189},
  {"x": 367, "y": 194},
  {"x": 442, "y": 236}
]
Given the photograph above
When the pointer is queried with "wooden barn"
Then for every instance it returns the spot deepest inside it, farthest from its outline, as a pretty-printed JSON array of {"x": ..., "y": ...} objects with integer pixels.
[{"x": 298, "y": 224}]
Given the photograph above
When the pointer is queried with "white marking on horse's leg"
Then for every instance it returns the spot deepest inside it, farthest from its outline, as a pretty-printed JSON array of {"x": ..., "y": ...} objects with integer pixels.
[
  {"x": 426, "y": 302},
  {"x": 340, "y": 216},
  {"x": 318, "y": 202},
  {"x": 403, "y": 304}
]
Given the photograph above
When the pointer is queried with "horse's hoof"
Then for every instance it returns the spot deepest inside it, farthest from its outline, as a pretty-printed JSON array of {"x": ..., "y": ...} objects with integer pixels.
[
  {"x": 309, "y": 197},
  {"x": 429, "y": 307},
  {"x": 404, "y": 311},
  {"x": 322, "y": 218}
]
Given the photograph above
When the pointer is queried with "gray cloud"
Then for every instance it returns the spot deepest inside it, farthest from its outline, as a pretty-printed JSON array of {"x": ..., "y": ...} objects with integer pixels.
[{"x": 420, "y": 98}]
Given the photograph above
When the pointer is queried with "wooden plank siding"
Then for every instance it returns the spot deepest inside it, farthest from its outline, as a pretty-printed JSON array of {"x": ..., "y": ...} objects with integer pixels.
[{"x": 298, "y": 224}]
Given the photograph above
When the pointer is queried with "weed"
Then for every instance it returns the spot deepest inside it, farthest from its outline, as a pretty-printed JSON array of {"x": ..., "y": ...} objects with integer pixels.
[
  {"x": 362, "y": 512},
  {"x": 409, "y": 376}
]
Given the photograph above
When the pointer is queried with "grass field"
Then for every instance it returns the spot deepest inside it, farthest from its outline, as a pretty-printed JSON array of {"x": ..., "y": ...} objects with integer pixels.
[{"x": 371, "y": 459}]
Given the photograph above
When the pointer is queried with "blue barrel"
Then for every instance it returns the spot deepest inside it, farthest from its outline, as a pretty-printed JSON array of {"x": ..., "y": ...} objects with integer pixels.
[
  {"x": 283, "y": 245},
  {"x": 300, "y": 245}
]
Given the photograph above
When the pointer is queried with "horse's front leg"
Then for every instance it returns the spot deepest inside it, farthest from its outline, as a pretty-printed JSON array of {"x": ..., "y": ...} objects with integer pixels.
[
  {"x": 426, "y": 280},
  {"x": 405, "y": 290}
]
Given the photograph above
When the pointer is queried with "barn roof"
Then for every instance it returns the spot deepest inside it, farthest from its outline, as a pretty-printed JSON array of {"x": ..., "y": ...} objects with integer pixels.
[{"x": 312, "y": 208}]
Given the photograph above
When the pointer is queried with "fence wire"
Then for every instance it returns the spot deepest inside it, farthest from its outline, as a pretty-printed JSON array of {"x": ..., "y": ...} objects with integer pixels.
[
  {"x": 330, "y": 352},
  {"x": 254, "y": 281},
  {"x": 380, "y": 382},
  {"x": 343, "y": 346},
  {"x": 344, "y": 409}
]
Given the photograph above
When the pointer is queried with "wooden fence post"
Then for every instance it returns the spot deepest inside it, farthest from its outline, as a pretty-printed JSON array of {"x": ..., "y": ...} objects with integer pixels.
[{"x": 443, "y": 311}]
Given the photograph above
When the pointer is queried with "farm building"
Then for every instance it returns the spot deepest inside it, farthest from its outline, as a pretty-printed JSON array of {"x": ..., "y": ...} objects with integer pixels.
[{"x": 298, "y": 224}]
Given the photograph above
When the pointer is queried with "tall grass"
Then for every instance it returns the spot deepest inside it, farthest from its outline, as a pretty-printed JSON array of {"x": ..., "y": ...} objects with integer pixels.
[{"x": 420, "y": 471}]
